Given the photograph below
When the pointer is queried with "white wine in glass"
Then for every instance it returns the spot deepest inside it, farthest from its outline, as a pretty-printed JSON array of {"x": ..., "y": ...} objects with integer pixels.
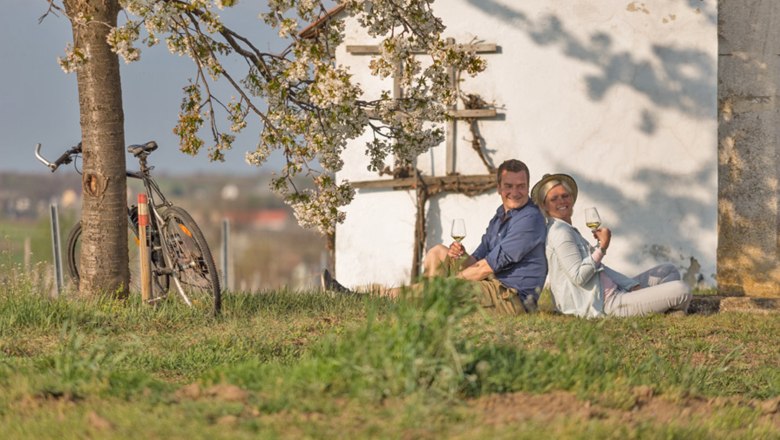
[
  {"x": 458, "y": 231},
  {"x": 592, "y": 219}
]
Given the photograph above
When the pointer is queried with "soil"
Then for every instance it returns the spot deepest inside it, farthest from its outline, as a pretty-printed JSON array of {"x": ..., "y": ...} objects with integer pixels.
[{"x": 505, "y": 409}]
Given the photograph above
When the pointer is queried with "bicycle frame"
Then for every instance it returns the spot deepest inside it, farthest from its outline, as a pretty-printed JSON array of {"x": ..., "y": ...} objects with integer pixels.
[
  {"x": 154, "y": 193},
  {"x": 171, "y": 258}
]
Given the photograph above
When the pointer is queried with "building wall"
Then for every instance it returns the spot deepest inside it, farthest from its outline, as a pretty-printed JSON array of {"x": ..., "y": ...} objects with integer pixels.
[{"x": 621, "y": 95}]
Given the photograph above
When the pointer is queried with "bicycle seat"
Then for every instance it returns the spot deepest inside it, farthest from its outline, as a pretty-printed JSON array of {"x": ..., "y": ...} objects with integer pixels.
[{"x": 138, "y": 149}]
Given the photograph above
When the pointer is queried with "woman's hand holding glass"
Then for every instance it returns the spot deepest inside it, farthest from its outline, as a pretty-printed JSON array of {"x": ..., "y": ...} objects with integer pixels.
[
  {"x": 604, "y": 236},
  {"x": 593, "y": 221}
]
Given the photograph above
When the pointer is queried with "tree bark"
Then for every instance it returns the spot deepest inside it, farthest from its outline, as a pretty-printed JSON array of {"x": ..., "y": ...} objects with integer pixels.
[{"x": 104, "y": 259}]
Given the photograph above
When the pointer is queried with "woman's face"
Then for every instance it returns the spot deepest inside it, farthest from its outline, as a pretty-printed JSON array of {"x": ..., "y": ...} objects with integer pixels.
[{"x": 559, "y": 204}]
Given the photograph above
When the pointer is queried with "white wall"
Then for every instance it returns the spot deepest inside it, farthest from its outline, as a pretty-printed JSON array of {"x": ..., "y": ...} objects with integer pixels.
[{"x": 621, "y": 95}]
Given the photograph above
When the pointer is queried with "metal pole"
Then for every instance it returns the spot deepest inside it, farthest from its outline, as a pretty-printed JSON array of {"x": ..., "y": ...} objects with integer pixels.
[
  {"x": 226, "y": 254},
  {"x": 55, "y": 246}
]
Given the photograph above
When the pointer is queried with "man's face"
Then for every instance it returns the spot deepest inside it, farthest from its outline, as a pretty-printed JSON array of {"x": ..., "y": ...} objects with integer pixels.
[{"x": 513, "y": 189}]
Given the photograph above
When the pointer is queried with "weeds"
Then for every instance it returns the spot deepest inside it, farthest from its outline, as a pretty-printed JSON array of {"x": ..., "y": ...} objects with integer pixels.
[
  {"x": 80, "y": 366},
  {"x": 414, "y": 362},
  {"x": 417, "y": 349}
]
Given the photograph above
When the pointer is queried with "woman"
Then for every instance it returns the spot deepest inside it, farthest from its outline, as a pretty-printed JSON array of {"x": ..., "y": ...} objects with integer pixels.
[{"x": 581, "y": 285}]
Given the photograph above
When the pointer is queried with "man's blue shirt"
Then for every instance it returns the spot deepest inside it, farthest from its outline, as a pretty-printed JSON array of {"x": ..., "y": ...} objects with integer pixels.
[{"x": 513, "y": 246}]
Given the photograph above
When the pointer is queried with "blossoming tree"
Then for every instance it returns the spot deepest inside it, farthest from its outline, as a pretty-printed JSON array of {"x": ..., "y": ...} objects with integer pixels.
[{"x": 307, "y": 104}]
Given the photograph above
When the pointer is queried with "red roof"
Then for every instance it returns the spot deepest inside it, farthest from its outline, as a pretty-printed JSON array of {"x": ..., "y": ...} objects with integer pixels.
[
  {"x": 265, "y": 217},
  {"x": 312, "y": 29}
]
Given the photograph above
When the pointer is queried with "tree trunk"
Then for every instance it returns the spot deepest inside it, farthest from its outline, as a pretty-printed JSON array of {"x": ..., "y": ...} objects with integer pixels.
[
  {"x": 103, "y": 262},
  {"x": 749, "y": 157}
]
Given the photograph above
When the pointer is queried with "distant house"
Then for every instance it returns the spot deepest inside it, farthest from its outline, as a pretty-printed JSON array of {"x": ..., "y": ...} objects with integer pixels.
[
  {"x": 265, "y": 219},
  {"x": 622, "y": 95}
]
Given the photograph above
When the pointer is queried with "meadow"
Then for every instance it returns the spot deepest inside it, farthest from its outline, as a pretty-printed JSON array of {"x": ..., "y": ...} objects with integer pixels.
[{"x": 309, "y": 364}]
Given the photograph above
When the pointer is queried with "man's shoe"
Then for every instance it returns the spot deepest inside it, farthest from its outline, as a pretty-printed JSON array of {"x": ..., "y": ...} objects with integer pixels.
[
  {"x": 530, "y": 304},
  {"x": 327, "y": 282}
]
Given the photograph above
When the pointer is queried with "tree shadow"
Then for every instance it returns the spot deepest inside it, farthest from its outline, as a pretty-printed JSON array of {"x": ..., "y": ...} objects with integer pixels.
[
  {"x": 433, "y": 222},
  {"x": 641, "y": 210},
  {"x": 669, "y": 76},
  {"x": 681, "y": 78}
]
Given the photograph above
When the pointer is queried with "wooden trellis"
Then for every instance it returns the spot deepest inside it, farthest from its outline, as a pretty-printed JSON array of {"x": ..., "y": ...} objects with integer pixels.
[{"x": 453, "y": 182}]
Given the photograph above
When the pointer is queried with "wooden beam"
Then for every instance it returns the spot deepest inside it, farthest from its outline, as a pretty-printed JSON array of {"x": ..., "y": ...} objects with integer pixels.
[
  {"x": 452, "y": 126},
  {"x": 397, "y": 90},
  {"x": 360, "y": 49},
  {"x": 472, "y": 113},
  {"x": 477, "y": 181},
  {"x": 449, "y": 146},
  {"x": 457, "y": 114},
  {"x": 368, "y": 49},
  {"x": 419, "y": 228}
]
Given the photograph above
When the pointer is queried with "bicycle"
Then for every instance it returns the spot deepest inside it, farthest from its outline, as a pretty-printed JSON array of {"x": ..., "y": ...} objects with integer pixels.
[{"x": 178, "y": 249}]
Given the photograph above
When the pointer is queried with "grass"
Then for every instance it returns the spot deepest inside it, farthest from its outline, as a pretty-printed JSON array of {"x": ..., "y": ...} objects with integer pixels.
[{"x": 285, "y": 364}]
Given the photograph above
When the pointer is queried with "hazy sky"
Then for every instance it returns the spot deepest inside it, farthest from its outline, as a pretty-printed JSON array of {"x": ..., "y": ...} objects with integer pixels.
[{"x": 40, "y": 102}]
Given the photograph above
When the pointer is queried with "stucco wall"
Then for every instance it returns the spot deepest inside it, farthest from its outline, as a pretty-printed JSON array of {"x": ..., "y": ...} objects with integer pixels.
[{"x": 621, "y": 95}]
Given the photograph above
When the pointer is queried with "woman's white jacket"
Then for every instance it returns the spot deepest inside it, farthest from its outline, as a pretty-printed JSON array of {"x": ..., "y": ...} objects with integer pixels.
[{"x": 574, "y": 275}]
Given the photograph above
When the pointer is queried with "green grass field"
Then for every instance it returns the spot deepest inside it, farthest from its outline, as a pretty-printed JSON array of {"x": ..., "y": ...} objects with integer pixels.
[{"x": 286, "y": 364}]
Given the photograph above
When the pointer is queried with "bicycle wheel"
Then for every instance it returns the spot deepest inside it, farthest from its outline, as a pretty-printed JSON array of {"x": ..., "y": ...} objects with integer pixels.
[
  {"x": 73, "y": 253},
  {"x": 188, "y": 256}
]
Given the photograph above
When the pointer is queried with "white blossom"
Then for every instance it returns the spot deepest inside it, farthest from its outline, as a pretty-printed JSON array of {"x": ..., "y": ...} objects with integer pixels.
[
  {"x": 121, "y": 40},
  {"x": 74, "y": 58},
  {"x": 309, "y": 106}
]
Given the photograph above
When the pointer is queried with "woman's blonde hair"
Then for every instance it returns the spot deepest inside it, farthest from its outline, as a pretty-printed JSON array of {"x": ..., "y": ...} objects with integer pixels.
[{"x": 546, "y": 188}]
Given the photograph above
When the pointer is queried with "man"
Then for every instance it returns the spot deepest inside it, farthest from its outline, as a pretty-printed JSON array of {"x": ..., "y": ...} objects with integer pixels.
[{"x": 509, "y": 264}]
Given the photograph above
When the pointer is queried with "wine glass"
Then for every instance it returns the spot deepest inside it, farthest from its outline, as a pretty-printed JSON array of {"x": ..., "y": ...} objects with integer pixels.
[
  {"x": 458, "y": 231},
  {"x": 592, "y": 219}
]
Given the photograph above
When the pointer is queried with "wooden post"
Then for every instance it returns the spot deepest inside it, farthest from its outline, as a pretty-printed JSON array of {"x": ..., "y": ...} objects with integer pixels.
[
  {"x": 452, "y": 125},
  {"x": 27, "y": 253},
  {"x": 143, "y": 251},
  {"x": 226, "y": 272},
  {"x": 419, "y": 228}
]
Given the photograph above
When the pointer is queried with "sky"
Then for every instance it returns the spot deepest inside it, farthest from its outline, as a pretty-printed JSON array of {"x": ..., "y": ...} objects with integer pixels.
[{"x": 39, "y": 102}]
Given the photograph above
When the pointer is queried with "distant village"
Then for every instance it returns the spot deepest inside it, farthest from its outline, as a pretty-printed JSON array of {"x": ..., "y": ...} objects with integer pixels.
[
  {"x": 244, "y": 201},
  {"x": 267, "y": 247}
]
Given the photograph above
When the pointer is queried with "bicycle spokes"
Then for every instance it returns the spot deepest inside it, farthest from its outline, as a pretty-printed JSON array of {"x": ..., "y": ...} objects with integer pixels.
[{"x": 189, "y": 258}]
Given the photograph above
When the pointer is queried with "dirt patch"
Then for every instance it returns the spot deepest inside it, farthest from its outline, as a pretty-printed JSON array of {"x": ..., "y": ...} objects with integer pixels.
[
  {"x": 98, "y": 422},
  {"x": 223, "y": 392},
  {"x": 505, "y": 409}
]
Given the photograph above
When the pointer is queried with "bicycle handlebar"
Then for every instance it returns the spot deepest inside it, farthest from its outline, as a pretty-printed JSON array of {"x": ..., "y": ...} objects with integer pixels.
[
  {"x": 140, "y": 151},
  {"x": 65, "y": 158}
]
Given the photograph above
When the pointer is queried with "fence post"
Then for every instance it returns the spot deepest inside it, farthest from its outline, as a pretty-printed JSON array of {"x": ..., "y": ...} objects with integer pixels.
[
  {"x": 143, "y": 248},
  {"x": 27, "y": 253},
  {"x": 55, "y": 246},
  {"x": 226, "y": 285}
]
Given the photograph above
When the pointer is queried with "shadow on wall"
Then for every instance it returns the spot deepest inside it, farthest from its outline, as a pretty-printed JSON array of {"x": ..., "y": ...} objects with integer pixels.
[
  {"x": 663, "y": 203},
  {"x": 679, "y": 78},
  {"x": 672, "y": 78},
  {"x": 434, "y": 226}
]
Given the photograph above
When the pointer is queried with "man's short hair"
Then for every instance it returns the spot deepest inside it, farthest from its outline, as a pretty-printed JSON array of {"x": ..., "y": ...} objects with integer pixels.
[{"x": 514, "y": 166}]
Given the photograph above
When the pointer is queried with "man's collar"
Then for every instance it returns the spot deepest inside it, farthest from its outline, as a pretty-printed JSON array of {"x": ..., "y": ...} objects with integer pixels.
[{"x": 505, "y": 212}]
